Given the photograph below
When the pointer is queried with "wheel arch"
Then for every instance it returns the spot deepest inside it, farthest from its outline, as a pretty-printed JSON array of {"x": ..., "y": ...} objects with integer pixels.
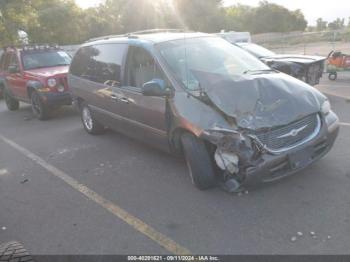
[
  {"x": 176, "y": 143},
  {"x": 32, "y": 86},
  {"x": 79, "y": 102}
]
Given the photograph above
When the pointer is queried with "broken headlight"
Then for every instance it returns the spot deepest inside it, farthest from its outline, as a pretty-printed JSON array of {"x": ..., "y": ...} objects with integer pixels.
[{"x": 233, "y": 149}]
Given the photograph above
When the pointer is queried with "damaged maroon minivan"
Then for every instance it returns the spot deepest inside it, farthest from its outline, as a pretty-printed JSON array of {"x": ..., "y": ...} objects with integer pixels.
[{"x": 236, "y": 120}]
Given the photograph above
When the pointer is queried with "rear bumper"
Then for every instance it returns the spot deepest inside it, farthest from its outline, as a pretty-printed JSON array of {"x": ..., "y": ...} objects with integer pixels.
[
  {"x": 56, "y": 99},
  {"x": 274, "y": 167}
]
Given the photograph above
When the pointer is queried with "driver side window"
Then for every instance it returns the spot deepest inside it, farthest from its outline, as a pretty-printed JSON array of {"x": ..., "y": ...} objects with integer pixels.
[{"x": 141, "y": 68}]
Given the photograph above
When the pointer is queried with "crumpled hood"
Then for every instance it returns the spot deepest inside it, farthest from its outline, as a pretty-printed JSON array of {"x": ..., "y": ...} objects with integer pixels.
[
  {"x": 301, "y": 59},
  {"x": 261, "y": 101}
]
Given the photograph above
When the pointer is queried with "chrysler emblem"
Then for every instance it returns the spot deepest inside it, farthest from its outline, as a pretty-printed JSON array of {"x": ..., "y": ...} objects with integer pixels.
[{"x": 293, "y": 132}]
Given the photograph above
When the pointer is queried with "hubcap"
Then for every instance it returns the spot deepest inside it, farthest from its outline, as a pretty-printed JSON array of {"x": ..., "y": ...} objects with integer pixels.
[{"x": 87, "y": 119}]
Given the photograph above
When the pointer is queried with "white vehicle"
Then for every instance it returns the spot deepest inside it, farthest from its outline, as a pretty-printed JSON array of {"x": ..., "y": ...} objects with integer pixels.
[{"x": 234, "y": 37}]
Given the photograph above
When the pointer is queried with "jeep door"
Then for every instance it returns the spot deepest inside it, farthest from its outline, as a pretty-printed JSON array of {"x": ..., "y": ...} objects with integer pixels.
[
  {"x": 15, "y": 80},
  {"x": 144, "y": 117}
]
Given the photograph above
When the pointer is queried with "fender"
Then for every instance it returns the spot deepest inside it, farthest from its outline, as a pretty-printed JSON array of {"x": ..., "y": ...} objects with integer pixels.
[
  {"x": 33, "y": 85},
  {"x": 3, "y": 86}
]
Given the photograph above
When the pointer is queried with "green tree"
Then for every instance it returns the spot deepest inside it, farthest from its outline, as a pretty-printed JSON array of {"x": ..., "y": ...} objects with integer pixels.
[
  {"x": 15, "y": 15},
  {"x": 239, "y": 18},
  {"x": 298, "y": 21},
  {"x": 59, "y": 21},
  {"x": 199, "y": 15},
  {"x": 321, "y": 25},
  {"x": 339, "y": 23},
  {"x": 270, "y": 17}
]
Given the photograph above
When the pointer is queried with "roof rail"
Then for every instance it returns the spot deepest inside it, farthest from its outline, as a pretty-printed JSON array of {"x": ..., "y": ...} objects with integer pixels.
[
  {"x": 103, "y": 38},
  {"x": 31, "y": 46},
  {"x": 149, "y": 31},
  {"x": 158, "y": 30}
]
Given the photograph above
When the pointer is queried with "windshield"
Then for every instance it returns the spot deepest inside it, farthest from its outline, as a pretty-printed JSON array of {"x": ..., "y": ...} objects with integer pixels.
[
  {"x": 208, "y": 55},
  {"x": 257, "y": 50},
  {"x": 45, "y": 59}
]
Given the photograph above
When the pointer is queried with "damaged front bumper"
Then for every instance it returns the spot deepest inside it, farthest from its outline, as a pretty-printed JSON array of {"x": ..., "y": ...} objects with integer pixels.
[{"x": 264, "y": 166}]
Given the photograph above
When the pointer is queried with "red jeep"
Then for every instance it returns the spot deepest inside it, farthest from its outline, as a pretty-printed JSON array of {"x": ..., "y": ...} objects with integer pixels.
[{"x": 35, "y": 75}]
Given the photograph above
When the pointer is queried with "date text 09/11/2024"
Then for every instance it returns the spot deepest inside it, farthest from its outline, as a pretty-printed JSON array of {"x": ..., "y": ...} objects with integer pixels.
[{"x": 173, "y": 258}]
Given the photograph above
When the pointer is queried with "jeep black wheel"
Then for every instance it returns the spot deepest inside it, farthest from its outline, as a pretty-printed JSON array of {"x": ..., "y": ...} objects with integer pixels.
[
  {"x": 91, "y": 125},
  {"x": 39, "y": 109},
  {"x": 198, "y": 161},
  {"x": 11, "y": 103}
]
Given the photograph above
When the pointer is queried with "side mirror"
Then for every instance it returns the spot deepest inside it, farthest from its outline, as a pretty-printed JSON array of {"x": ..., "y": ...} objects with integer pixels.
[
  {"x": 156, "y": 87},
  {"x": 13, "y": 69}
]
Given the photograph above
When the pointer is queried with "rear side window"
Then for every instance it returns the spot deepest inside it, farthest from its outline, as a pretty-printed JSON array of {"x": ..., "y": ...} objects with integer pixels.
[
  {"x": 99, "y": 63},
  {"x": 6, "y": 61}
]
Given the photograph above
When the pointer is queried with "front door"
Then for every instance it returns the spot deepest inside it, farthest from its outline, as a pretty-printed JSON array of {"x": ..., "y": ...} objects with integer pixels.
[
  {"x": 144, "y": 116},
  {"x": 14, "y": 80}
]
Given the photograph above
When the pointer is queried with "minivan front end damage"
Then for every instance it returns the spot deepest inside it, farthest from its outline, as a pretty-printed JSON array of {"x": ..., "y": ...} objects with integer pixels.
[
  {"x": 244, "y": 160},
  {"x": 262, "y": 127}
]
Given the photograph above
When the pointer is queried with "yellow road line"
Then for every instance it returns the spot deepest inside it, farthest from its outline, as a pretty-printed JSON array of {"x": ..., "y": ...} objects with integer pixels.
[
  {"x": 162, "y": 240},
  {"x": 344, "y": 124}
]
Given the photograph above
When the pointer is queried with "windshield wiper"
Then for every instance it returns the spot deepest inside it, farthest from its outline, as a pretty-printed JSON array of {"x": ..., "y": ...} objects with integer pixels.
[{"x": 260, "y": 71}]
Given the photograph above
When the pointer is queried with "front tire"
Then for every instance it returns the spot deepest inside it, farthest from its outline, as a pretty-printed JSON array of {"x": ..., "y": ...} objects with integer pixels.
[
  {"x": 39, "y": 109},
  {"x": 198, "y": 161},
  {"x": 91, "y": 125},
  {"x": 11, "y": 103}
]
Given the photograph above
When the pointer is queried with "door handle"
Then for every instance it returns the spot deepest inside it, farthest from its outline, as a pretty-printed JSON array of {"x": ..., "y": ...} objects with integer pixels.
[
  {"x": 124, "y": 100},
  {"x": 114, "y": 97}
]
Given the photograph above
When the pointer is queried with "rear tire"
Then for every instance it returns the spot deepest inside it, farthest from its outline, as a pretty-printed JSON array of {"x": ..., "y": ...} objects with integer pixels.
[
  {"x": 198, "y": 161},
  {"x": 332, "y": 76},
  {"x": 40, "y": 111},
  {"x": 91, "y": 125},
  {"x": 11, "y": 103}
]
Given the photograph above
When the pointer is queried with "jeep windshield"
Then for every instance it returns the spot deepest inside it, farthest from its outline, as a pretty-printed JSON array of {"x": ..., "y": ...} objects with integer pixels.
[
  {"x": 210, "y": 55},
  {"x": 36, "y": 60}
]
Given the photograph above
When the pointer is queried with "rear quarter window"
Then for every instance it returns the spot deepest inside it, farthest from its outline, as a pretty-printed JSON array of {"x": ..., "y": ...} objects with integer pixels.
[{"x": 99, "y": 63}]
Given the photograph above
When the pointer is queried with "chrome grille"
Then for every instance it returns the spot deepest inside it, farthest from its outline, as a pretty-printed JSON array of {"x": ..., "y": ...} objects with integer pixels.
[{"x": 284, "y": 137}]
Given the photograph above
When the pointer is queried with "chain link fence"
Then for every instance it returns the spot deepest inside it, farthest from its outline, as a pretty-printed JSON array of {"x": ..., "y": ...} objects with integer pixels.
[{"x": 308, "y": 43}]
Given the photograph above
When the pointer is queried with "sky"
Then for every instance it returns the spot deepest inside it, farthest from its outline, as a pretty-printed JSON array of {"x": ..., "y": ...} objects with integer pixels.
[{"x": 312, "y": 9}]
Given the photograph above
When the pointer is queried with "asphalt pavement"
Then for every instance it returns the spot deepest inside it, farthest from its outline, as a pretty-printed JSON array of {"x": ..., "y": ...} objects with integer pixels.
[{"x": 63, "y": 191}]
